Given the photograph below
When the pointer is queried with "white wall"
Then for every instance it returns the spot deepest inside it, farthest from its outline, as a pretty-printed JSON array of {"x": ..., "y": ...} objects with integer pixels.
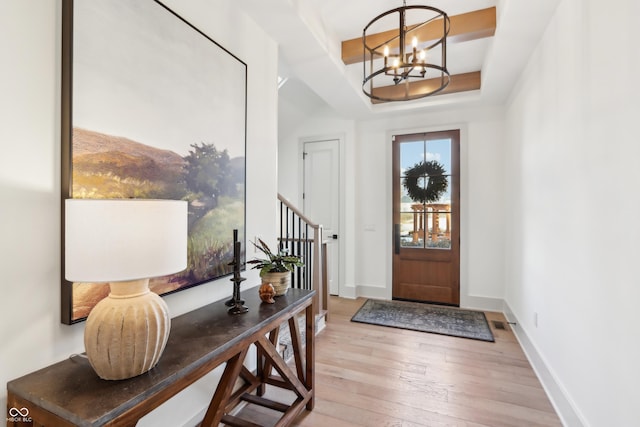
[
  {"x": 481, "y": 279},
  {"x": 31, "y": 334},
  {"x": 573, "y": 207},
  {"x": 322, "y": 124},
  {"x": 368, "y": 197}
]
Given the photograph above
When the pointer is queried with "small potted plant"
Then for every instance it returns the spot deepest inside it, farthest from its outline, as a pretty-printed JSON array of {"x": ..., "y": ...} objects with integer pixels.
[{"x": 276, "y": 268}]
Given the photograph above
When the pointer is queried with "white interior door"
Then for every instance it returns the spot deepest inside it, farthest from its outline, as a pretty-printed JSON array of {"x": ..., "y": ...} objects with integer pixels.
[{"x": 321, "y": 198}]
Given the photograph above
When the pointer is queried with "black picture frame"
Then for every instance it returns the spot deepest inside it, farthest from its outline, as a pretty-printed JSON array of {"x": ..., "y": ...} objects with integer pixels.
[{"x": 152, "y": 107}]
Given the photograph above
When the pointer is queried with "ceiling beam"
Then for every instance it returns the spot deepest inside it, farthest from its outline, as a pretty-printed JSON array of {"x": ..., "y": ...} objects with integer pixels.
[
  {"x": 464, "y": 27},
  {"x": 459, "y": 83}
]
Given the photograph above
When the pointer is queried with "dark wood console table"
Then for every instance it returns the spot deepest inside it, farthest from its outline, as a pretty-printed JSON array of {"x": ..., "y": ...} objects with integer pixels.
[{"x": 69, "y": 393}]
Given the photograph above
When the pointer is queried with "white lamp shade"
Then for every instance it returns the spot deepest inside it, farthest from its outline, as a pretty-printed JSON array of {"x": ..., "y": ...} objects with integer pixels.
[{"x": 114, "y": 240}]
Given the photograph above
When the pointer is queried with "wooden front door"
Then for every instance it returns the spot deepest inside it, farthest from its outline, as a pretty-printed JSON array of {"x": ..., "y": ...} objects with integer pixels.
[{"x": 426, "y": 217}]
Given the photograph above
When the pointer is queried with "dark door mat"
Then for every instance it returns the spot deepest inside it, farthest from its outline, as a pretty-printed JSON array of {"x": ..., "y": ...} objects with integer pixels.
[{"x": 425, "y": 318}]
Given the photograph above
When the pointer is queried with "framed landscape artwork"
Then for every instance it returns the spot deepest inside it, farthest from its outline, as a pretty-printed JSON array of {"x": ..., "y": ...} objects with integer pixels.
[{"x": 152, "y": 108}]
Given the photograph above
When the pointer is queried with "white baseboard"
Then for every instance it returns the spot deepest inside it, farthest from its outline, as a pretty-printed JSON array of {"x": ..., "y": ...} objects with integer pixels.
[
  {"x": 556, "y": 393},
  {"x": 320, "y": 324},
  {"x": 470, "y": 302},
  {"x": 374, "y": 292},
  {"x": 482, "y": 303},
  {"x": 348, "y": 291},
  {"x": 364, "y": 291}
]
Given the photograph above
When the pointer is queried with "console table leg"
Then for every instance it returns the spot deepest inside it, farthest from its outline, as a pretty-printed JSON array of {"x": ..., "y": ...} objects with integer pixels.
[
  {"x": 216, "y": 409},
  {"x": 310, "y": 356},
  {"x": 266, "y": 363},
  {"x": 296, "y": 343},
  {"x": 260, "y": 372}
]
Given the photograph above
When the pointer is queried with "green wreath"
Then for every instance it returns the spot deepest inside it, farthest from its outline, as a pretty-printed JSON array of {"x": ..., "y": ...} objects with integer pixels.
[{"x": 435, "y": 187}]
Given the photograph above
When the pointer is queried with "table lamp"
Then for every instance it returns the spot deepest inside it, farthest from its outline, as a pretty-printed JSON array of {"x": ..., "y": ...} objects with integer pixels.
[{"x": 124, "y": 242}]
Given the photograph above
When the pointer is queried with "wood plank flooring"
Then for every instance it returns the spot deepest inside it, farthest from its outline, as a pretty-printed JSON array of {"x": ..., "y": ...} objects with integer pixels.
[{"x": 369, "y": 375}]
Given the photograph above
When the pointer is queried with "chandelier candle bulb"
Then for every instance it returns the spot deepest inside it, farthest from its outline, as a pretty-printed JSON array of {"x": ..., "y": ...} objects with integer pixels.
[{"x": 386, "y": 56}]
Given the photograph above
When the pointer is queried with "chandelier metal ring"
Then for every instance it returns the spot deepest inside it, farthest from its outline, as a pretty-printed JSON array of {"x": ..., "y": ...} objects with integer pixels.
[{"x": 403, "y": 62}]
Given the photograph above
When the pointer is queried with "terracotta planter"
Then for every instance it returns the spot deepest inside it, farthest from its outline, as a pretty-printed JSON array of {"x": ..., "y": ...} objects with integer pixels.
[{"x": 279, "y": 281}]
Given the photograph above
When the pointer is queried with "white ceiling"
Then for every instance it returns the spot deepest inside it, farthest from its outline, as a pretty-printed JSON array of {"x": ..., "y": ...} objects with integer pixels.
[{"x": 310, "y": 32}]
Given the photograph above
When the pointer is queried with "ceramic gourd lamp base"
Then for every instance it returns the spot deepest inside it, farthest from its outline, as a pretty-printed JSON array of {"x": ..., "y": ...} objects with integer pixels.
[{"x": 127, "y": 331}]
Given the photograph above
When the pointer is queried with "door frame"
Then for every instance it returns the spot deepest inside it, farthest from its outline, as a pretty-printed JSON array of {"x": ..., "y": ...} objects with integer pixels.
[
  {"x": 463, "y": 128},
  {"x": 451, "y": 256},
  {"x": 340, "y": 137}
]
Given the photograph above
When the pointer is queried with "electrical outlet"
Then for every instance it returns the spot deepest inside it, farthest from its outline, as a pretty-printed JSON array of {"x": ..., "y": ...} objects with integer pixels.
[{"x": 535, "y": 319}]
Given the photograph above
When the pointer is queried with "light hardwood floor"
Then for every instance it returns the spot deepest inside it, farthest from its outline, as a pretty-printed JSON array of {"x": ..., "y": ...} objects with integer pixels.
[{"x": 370, "y": 375}]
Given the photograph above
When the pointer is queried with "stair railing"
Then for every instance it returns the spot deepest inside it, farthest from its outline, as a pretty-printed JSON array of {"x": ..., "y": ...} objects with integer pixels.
[{"x": 302, "y": 237}]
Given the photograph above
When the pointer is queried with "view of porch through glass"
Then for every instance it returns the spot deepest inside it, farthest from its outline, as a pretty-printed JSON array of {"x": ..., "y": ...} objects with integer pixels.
[{"x": 425, "y": 197}]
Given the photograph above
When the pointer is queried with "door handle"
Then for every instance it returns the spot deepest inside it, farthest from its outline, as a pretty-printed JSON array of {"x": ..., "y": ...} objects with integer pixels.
[
  {"x": 396, "y": 238},
  {"x": 334, "y": 236}
]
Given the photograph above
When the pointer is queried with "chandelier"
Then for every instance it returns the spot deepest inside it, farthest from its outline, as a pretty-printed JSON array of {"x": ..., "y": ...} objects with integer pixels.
[{"x": 409, "y": 62}]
